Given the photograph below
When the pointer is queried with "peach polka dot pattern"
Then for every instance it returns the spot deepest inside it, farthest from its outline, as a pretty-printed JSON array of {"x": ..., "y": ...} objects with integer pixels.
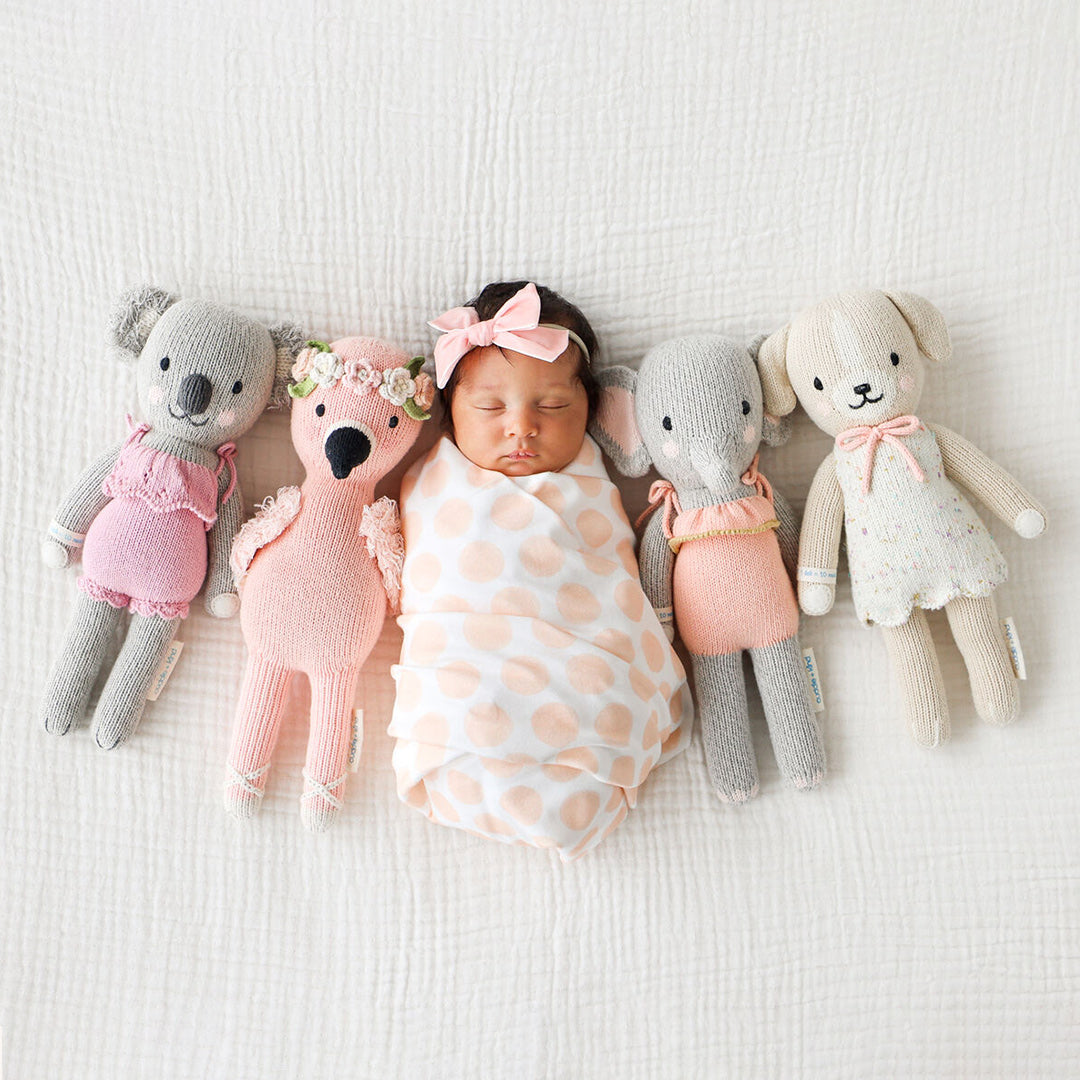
[{"x": 536, "y": 688}]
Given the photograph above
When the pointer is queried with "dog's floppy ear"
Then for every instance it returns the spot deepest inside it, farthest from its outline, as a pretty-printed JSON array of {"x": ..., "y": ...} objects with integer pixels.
[
  {"x": 926, "y": 322},
  {"x": 772, "y": 367},
  {"x": 614, "y": 427}
]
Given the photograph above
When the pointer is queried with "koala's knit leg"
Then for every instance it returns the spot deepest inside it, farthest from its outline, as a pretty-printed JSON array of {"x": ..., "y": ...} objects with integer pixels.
[
  {"x": 915, "y": 661},
  {"x": 789, "y": 710},
  {"x": 76, "y": 669},
  {"x": 121, "y": 705},
  {"x": 725, "y": 726},
  {"x": 974, "y": 624},
  {"x": 328, "y": 747},
  {"x": 255, "y": 733}
]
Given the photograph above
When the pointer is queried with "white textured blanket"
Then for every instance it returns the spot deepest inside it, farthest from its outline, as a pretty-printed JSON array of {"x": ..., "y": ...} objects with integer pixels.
[{"x": 536, "y": 689}]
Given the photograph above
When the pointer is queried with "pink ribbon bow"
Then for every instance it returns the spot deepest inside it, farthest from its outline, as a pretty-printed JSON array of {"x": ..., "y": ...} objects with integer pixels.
[
  {"x": 891, "y": 432},
  {"x": 514, "y": 326}
]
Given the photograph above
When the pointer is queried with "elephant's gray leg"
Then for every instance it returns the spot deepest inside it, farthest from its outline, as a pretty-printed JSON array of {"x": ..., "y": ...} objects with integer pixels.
[
  {"x": 71, "y": 681},
  {"x": 789, "y": 710},
  {"x": 725, "y": 726},
  {"x": 121, "y": 704}
]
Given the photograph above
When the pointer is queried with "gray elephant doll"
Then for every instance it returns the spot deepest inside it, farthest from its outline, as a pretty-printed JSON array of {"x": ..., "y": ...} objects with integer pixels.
[
  {"x": 155, "y": 516},
  {"x": 718, "y": 551}
]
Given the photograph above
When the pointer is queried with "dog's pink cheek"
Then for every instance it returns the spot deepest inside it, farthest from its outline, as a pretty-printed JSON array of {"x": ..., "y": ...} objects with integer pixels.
[
  {"x": 906, "y": 383},
  {"x": 750, "y": 434},
  {"x": 227, "y": 417},
  {"x": 155, "y": 395}
]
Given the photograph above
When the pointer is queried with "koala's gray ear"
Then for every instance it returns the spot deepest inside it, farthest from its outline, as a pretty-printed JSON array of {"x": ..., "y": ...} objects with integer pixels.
[
  {"x": 288, "y": 340},
  {"x": 771, "y": 357},
  {"x": 926, "y": 322},
  {"x": 614, "y": 426},
  {"x": 134, "y": 315}
]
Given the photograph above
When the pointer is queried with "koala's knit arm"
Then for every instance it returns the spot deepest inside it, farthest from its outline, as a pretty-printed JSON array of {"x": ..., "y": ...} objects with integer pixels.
[
  {"x": 989, "y": 482},
  {"x": 86, "y": 500},
  {"x": 221, "y": 598},
  {"x": 788, "y": 534},
  {"x": 656, "y": 563},
  {"x": 819, "y": 540}
]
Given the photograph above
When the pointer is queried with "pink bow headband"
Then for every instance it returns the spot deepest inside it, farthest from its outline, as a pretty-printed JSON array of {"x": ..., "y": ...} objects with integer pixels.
[{"x": 516, "y": 325}]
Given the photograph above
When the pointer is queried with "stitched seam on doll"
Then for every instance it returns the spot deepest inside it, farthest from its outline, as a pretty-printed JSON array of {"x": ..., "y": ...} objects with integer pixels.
[
  {"x": 324, "y": 790},
  {"x": 677, "y": 542}
]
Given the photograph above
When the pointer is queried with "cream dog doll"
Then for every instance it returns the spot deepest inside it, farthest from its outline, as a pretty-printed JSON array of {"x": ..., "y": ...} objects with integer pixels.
[{"x": 913, "y": 541}]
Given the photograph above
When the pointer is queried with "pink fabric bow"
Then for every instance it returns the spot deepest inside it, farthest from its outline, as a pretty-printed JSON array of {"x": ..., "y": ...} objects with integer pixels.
[
  {"x": 891, "y": 432},
  {"x": 514, "y": 326}
]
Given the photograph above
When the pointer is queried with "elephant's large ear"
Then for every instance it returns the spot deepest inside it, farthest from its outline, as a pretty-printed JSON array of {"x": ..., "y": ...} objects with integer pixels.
[
  {"x": 775, "y": 430},
  {"x": 134, "y": 315},
  {"x": 614, "y": 426},
  {"x": 927, "y": 324},
  {"x": 772, "y": 367},
  {"x": 288, "y": 340}
]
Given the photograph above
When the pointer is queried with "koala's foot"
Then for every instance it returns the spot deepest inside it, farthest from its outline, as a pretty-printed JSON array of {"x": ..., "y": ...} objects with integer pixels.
[
  {"x": 320, "y": 805},
  {"x": 122, "y": 701}
]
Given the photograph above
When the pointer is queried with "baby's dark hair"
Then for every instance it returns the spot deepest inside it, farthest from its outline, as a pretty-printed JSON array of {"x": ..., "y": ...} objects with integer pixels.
[{"x": 553, "y": 309}]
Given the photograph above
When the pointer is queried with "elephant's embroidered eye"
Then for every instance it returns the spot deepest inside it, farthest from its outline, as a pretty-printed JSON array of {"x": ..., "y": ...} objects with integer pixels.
[
  {"x": 817, "y": 384},
  {"x": 667, "y": 423},
  {"x": 393, "y": 421},
  {"x": 746, "y": 408},
  {"x": 894, "y": 358},
  {"x": 320, "y": 410},
  {"x": 237, "y": 386},
  {"x": 164, "y": 365}
]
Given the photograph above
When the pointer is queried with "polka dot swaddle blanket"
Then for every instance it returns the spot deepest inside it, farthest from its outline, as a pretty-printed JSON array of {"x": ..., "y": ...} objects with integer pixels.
[{"x": 536, "y": 689}]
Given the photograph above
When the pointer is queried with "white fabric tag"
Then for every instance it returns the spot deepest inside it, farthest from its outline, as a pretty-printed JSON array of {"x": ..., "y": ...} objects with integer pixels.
[
  {"x": 814, "y": 682},
  {"x": 816, "y": 574},
  {"x": 356, "y": 743},
  {"x": 66, "y": 536},
  {"x": 1012, "y": 639},
  {"x": 165, "y": 669}
]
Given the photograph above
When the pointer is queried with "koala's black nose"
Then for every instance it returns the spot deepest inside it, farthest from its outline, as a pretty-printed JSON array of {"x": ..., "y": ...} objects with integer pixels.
[
  {"x": 346, "y": 448},
  {"x": 194, "y": 396},
  {"x": 862, "y": 388}
]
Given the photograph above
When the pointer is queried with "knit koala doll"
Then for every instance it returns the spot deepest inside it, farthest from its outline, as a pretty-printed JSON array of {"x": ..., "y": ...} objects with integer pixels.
[
  {"x": 713, "y": 554},
  {"x": 157, "y": 512},
  {"x": 320, "y": 565},
  {"x": 854, "y": 362}
]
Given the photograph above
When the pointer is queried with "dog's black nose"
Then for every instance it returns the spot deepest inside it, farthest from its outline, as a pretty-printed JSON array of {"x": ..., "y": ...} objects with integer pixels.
[
  {"x": 346, "y": 448},
  {"x": 194, "y": 395},
  {"x": 862, "y": 388}
]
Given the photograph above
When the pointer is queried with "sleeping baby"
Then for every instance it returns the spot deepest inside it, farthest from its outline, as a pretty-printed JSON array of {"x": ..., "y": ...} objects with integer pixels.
[{"x": 536, "y": 688}]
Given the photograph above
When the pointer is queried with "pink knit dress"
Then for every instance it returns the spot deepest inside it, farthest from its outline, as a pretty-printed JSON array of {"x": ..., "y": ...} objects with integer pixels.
[{"x": 146, "y": 550}]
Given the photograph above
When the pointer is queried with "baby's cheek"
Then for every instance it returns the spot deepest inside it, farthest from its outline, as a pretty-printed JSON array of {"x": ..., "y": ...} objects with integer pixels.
[
  {"x": 227, "y": 418},
  {"x": 155, "y": 395}
]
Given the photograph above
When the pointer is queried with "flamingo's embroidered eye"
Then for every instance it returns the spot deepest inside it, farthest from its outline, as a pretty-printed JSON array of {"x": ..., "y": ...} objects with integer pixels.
[
  {"x": 320, "y": 410},
  {"x": 393, "y": 421}
]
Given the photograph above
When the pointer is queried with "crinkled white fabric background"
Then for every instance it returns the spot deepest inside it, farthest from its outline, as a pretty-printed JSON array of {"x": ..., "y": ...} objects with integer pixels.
[{"x": 672, "y": 168}]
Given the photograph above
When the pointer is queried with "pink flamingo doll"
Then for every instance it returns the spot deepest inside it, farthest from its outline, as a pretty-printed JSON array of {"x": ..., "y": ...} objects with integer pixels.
[{"x": 319, "y": 566}]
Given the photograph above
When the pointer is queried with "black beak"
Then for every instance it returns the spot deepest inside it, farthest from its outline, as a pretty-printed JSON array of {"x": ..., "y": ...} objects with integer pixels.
[{"x": 346, "y": 448}]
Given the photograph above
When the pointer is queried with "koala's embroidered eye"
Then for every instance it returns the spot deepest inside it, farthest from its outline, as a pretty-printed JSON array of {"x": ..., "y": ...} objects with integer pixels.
[
  {"x": 164, "y": 365},
  {"x": 237, "y": 386},
  {"x": 667, "y": 423},
  {"x": 746, "y": 408},
  {"x": 894, "y": 358},
  {"x": 320, "y": 410},
  {"x": 393, "y": 421},
  {"x": 817, "y": 384}
]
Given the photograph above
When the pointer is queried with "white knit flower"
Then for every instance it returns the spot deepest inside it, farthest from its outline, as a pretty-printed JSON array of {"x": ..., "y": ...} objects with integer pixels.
[
  {"x": 398, "y": 386},
  {"x": 326, "y": 369}
]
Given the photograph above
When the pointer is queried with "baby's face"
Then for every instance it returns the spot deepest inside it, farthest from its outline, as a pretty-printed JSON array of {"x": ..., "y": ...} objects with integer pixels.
[{"x": 518, "y": 415}]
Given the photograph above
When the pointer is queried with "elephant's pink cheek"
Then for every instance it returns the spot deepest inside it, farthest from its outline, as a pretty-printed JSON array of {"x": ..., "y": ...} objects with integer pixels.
[
  {"x": 670, "y": 449},
  {"x": 750, "y": 434},
  {"x": 227, "y": 418}
]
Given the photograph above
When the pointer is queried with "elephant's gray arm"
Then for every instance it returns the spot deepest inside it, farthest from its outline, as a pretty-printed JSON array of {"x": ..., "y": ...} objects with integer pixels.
[
  {"x": 787, "y": 535},
  {"x": 656, "y": 563}
]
